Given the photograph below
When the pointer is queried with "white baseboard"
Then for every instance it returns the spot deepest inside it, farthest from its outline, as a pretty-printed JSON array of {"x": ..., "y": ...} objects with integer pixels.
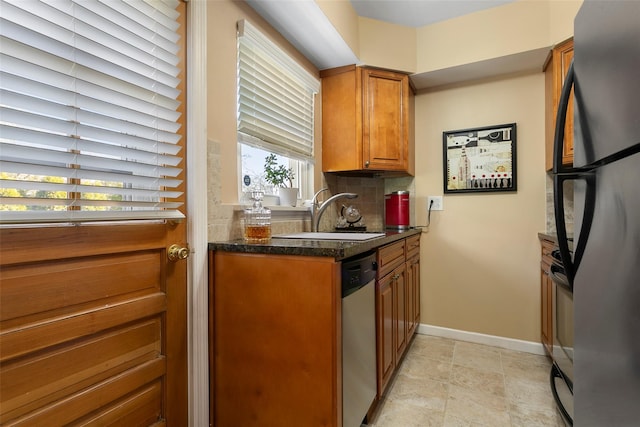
[{"x": 496, "y": 341}]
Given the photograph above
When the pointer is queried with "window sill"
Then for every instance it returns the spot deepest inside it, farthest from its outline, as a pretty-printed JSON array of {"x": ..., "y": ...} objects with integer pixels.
[{"x": 278, "y": 211}]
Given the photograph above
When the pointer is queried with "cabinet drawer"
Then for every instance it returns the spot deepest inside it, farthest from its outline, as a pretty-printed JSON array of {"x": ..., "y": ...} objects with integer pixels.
[
  {"x": 413, "y": 246},
  {"x": 389, "y": 257}
]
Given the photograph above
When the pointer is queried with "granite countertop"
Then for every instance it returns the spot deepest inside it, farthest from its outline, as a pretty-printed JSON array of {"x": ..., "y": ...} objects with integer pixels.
[
  {"x": 553, "y": 237},
  {"x": 337, "y": 249}
]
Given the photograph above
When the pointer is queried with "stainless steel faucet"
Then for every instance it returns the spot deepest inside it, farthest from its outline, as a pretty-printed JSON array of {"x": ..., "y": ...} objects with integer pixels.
[{"x": 318, "y": 209}]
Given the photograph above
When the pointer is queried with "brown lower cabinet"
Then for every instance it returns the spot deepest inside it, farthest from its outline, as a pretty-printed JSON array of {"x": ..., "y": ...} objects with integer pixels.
[
  {"x": 275, "y": 340},
  {"x": 546, "y": 296},
  {"x": 397, "y": 304},
  {"x": 275, "y": 337}
]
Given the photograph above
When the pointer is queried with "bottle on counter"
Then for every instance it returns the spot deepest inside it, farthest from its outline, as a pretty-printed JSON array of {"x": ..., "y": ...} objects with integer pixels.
[{"x": 257, "y": 220}]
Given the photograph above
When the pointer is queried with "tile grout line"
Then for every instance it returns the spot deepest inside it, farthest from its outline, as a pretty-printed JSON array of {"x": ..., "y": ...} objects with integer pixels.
[{"x": 504, "y": 384}]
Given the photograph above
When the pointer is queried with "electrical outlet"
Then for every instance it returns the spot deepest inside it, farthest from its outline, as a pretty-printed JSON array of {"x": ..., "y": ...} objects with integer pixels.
[{"x": 437, "y": 203}]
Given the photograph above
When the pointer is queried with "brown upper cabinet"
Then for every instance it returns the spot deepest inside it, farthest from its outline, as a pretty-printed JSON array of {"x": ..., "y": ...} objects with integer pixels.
[
  {"x": 367, "y": 121},
  {"x": 555, "y": 70}
]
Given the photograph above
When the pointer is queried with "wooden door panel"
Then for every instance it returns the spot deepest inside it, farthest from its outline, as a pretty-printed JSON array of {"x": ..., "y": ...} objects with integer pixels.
[
  {"x": 269, "y": 368},
  {"x": 69, "y": 369},
  {"x": 17, "y": 340},
  {"x": 99, "y": 399},
  {"x": 35, "y": 289},
  {"x": 567, "y": 149},
  {"x": 416, "y": 295},
  {"x": 385, "y": 120},
  {"x": 385, "y": 329},
  {"x": 410, "y": 298},
  {"x": 138, "y": 409},
  {"x": 95, "y": 329},
  {"x": 400, "y": 299}
]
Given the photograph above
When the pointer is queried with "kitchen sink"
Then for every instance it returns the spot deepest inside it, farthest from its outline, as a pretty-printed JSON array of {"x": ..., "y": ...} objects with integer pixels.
[{"x": 310, "y": 235}]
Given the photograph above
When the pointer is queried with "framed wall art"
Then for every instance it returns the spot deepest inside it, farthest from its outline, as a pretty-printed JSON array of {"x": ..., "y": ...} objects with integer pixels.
[{"x": 480, "y": 159}]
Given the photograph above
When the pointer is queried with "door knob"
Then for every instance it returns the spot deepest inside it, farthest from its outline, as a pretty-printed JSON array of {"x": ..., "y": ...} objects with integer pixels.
[{"x": 177, "y": 252}]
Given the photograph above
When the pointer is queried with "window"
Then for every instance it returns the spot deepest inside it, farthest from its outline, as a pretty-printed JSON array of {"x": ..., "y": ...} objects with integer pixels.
[
  {"x": 89, "y": 111},
  {"x": 275, "y": 112}
]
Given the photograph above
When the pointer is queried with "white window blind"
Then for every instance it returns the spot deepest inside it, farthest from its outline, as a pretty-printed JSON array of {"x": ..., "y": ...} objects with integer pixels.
[
  {"x": 275, "y": 97},
  {"x": 89, "y": 110}
]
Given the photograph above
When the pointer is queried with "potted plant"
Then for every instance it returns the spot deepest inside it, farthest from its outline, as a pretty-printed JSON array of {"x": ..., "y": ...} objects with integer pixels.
[{"x": 279, "y": 176}]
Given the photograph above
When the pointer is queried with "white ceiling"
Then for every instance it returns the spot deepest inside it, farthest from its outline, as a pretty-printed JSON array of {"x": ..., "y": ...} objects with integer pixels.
[{"x": 418, "y": 13}]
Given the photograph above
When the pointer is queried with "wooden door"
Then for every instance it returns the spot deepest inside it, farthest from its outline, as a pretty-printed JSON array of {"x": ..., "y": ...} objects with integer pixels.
[
  {"x": 546, "y": 296},
  {"x": 399, "y": 285},
  {"x": 555, "y": 69},
  {"x": 566, "y": 56},
  {"x": 341, "y": 124},
  {"x": 93, "y": 326},
  {"x": 413, "y": 280},
  {"x": 416, "y": 292},
  {"x": 385, "y": 120},
  {"x": 385, "y": 331}
]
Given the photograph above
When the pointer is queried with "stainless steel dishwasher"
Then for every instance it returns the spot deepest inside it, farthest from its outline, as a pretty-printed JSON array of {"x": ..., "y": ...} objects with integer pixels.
[{"x": 358, "y": 338}]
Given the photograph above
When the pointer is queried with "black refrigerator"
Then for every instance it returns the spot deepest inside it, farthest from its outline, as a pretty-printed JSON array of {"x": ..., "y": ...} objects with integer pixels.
[{"x": 603, "y": 265}]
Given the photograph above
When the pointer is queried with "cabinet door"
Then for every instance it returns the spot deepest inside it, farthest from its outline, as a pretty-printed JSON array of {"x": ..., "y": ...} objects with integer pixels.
[
  {"x": 341, "y": 119},
  {"x": 264, "y": 339},
  {"x": 413, "y": 294},
  {"x": 546, "y": 295},
  {"x": 555, "y": 70},
  {"x": 399, "y": 284},
  {"x": 385, "y": 138},
  {"x": 546, "y": 314},
  {"x": 385, "y": 330},
  {"x": 566, "y": 55}
]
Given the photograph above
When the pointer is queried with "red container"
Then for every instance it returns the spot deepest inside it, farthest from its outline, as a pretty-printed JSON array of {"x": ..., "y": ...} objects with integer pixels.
[{"x": 397, "y": 210}]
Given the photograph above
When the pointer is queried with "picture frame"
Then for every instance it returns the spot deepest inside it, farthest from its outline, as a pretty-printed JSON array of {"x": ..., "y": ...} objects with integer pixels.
[{"x": 480, "y": 160}]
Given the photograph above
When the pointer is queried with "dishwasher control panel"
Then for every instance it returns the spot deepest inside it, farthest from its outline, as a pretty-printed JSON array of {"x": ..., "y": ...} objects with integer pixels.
[{"x": 357, "y": 272}]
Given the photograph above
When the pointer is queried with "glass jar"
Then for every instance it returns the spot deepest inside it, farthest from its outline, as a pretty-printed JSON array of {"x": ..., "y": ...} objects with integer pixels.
[{"x": 257, "y": 220}]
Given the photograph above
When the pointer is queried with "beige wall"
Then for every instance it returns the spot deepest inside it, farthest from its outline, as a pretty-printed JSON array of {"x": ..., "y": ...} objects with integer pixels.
[
  {"x": 561, "y": 16},
  {"x": 516, "y": 27},
  {"x": 480, "y": 256},
  {"x": 387, "y": 45}
]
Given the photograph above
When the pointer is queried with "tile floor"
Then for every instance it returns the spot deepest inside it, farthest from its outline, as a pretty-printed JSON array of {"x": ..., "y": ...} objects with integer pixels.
[{"x": 443, "y": 382}]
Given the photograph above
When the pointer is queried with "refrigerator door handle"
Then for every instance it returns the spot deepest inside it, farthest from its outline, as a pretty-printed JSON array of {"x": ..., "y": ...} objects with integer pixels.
[
  {"x": 561, "y": 119},
  {"x": 555, "y": 373},
  {"x": 570, "y": 263}
]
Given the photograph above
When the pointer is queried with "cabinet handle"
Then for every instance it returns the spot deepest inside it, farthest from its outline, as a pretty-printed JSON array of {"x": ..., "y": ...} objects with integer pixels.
[
  {"x": 366, "y": 164},
  {"x": 396, "y": 276}
]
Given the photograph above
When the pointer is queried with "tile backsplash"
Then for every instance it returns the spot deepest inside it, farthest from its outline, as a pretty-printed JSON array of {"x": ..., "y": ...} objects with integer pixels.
[
  {"x": 568, "y": 206},
  {"x": 370, "y": 200}
]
